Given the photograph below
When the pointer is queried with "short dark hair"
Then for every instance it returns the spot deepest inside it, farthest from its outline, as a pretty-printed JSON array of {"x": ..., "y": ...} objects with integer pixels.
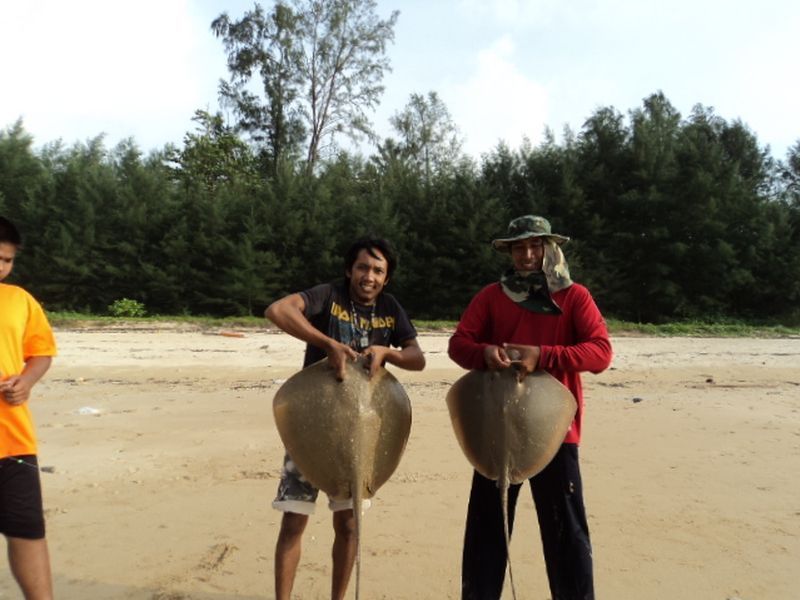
[
  {"x": 370, "y": 244},
  {"x": 9, "y": 234}
]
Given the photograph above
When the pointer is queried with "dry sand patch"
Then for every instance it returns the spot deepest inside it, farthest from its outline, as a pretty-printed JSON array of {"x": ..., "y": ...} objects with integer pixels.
[{"x": 165, "y": 460}]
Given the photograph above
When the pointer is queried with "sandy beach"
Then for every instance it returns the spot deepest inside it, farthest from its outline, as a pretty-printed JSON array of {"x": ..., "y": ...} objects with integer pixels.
[{"x": 162, "y": 459}]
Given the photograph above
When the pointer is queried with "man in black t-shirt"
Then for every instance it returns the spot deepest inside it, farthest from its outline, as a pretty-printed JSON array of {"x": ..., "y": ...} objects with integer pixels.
[{"x": 341, "y": 321}]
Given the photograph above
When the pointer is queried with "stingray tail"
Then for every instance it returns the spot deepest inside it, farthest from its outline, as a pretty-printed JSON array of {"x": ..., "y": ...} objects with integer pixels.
[
  {"x": 503, "y": 483},
  {"x": 357, "y": 513}
]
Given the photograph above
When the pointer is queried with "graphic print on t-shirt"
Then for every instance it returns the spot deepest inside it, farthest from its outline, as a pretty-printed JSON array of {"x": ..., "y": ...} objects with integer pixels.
[
  {"x": 329, "y": 308},
  {"x": 367, "y": 329}
]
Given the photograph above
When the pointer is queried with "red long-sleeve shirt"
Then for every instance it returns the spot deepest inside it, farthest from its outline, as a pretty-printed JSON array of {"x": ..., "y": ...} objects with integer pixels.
[{"x": 575, "y": 341}]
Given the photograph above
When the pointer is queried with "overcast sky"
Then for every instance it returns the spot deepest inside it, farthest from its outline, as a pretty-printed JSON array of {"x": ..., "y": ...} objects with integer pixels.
[{"x": 73, "y": 69}]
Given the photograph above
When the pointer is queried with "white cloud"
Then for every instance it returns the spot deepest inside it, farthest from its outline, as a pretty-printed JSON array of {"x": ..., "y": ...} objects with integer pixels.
[
  {"x": 123, "y": 66},
  {"x": 760, "y": 86},
  {"x": 76, "y": 68},
  {"x": 498, "y": 101},
  {"x": 514, "y": 13}
]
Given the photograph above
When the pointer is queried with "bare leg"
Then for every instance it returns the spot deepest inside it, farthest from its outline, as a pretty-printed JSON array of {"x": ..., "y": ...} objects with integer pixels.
[
  {"x": 30, "y": 563},
  {"x": 287, "y": 553},
  {"x": 344, "y": 551}
]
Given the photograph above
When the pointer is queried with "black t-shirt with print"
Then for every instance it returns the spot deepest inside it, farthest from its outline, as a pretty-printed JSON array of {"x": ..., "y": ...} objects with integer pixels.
[{"x": 328, "y": 308}]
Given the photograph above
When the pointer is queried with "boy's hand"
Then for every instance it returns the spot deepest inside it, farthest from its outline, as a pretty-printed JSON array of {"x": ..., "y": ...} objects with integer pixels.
[{"x": 16, "y": 390}]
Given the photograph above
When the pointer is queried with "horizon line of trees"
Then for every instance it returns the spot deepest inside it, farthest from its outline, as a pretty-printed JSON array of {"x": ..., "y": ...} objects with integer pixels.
[{"x": 671, "y": 217}]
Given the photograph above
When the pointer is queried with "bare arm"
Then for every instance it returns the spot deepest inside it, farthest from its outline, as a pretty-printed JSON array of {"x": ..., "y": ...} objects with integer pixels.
[
  {"x": 288, "y": 314},
  {"x": 17, "y": 388}
]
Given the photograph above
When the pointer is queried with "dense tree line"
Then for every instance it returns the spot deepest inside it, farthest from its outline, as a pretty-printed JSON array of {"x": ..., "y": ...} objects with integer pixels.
[{"x": 672, "y": 217}]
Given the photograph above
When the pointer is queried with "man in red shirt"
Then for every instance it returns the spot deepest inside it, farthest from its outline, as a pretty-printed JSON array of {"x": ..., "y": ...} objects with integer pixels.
[{"x": 535, "y": 317}]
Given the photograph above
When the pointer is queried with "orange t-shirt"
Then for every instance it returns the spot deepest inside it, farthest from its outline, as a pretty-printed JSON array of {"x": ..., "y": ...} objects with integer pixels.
[{"x": 24, "y": 333}]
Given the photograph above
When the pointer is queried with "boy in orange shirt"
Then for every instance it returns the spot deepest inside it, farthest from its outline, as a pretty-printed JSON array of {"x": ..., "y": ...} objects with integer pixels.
[{"x": 26, "y": 350}]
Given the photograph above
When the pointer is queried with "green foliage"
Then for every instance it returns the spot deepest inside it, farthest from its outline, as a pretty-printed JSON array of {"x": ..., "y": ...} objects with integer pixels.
[
  {"x": 320, "y": 64},
  {"x": 213, "y": 156},
  {"x": 702, "y": 329},
  {"x": 429, "y": 140},
  {"x": 672, "y": 219},
  {"x": 125, "y": 307},
  {"x": 617, "y": 328},
  {"x": 77, "y": 320}
]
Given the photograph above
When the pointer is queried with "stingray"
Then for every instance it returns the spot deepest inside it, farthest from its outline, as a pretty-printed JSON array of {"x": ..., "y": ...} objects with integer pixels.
[
  {"x": 346, "y": 437},
  {"x": 510, "y": 430}
]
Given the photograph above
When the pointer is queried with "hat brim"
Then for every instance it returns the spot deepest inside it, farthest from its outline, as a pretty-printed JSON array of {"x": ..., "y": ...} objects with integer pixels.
[{"x": 504, "y": 244}]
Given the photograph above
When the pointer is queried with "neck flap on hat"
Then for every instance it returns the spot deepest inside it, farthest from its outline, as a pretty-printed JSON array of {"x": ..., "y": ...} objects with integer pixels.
[{"x": 531, "y": 290}]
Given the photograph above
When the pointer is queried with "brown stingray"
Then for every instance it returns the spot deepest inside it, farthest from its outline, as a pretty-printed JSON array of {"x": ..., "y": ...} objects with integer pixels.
[
  {"x": 510, "y": 430},
  {"x": 346, "y": 437}
]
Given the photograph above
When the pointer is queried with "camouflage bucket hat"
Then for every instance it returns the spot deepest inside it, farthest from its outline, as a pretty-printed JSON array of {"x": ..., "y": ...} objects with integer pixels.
[{"x": 526, "y": 227}]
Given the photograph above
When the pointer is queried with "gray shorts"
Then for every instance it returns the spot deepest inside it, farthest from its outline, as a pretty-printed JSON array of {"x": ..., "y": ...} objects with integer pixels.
[{"x": 297, "y": 495}]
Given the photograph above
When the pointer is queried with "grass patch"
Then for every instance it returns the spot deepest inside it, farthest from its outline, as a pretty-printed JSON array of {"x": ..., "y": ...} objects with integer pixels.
[
  {"x": 71, "y": 320},
  {"x": 702, "y": 329}
]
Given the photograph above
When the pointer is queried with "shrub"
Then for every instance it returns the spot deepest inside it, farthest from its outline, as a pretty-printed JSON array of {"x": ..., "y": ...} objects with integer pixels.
[{"x": 125, "y": 307}]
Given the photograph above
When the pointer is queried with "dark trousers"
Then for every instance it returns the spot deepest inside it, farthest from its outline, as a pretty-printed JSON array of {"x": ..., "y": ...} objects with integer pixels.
[{"x": 558, "y": 496}]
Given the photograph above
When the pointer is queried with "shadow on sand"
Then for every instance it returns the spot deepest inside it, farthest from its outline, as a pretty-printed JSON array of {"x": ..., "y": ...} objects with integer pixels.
[{"x": 74, "y": 589}]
